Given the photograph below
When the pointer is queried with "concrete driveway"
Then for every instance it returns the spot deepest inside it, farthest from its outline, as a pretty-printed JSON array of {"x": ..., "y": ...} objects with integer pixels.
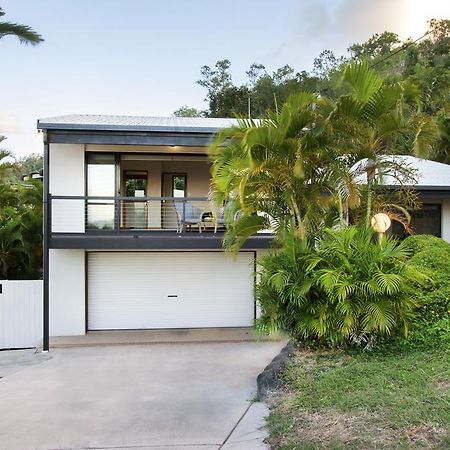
[{"x": 179, "y": 396}]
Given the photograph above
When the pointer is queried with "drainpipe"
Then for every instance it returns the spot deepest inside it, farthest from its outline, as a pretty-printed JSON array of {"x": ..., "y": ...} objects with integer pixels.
[{"x": 45, "y": 261}]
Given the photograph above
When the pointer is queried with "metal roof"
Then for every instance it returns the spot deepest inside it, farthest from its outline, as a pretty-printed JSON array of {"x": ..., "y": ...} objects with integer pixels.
[
  {"x": 425, "y": 173},
  {"x": 135, "y": 123}
]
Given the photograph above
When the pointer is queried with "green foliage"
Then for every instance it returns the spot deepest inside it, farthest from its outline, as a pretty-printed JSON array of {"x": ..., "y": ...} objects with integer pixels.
[
  {"x": 333, "y": 400},
  {"x": 430, "y": 325},
  {"x": 277, "y": 172},
  {"x": 21, "y": 231},
  {"x": 293, "y": 168},
  {"x": 24, "y": 33},
  {"x": 424, "y": 64},
  {"x": 187, "y": 111},
  {"x": 345, "y": 290},
  {"x": 378, "y": 45}
]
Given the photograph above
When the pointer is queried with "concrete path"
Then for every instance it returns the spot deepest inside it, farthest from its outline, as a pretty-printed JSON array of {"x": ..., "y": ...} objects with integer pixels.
[{"x": 186, "y": 396}]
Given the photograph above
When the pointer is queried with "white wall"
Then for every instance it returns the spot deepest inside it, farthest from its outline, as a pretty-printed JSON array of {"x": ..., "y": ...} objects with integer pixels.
[
  {"x": 21, "y": 314},
  {"x": 67, "y": 292},
  {"x": 67, "y": 173},
  {"x": 445, "y": 218}
]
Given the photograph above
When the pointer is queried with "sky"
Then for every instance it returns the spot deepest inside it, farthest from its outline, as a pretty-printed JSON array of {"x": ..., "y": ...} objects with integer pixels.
[{"x": 143, "y": 57}]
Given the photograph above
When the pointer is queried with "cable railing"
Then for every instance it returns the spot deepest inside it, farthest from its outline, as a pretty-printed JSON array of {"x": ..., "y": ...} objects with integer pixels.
[{"x": 83, "y": 214}]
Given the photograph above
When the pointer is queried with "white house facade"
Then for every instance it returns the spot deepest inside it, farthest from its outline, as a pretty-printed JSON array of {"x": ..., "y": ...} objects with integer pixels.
[{"x": 131, "y": 239}]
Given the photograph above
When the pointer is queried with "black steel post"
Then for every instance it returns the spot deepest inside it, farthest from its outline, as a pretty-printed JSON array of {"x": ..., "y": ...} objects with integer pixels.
[{"x": 45, "y": 262}]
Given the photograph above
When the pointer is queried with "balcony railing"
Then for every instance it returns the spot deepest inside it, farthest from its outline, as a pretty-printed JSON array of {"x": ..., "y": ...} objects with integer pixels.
[{"x": 83, "y": 214}]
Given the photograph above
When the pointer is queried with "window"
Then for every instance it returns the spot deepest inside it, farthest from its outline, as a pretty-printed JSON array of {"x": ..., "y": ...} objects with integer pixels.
[
  {"x": 179, "y": 186},
  {"x": 101, "y": 182},
  {"x": 426, "y": 220}
]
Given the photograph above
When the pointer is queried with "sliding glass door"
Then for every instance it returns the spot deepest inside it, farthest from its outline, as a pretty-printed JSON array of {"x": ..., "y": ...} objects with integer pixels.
[
  {"x": 101, "y": 182},
  {"x": 135, "y": 212}
]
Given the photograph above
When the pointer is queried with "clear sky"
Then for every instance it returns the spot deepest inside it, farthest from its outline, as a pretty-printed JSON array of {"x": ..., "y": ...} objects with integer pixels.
[{"x": 143, "y": 56}]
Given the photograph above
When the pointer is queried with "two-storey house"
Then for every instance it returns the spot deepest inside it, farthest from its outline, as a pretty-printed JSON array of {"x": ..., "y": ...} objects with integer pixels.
[{"x": 132, "y": 240}]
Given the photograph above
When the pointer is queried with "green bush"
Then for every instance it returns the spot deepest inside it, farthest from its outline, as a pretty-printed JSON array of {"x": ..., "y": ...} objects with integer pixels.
[
  {"x": 347, "y": 289},
  {"x": 430, "y": 325}
]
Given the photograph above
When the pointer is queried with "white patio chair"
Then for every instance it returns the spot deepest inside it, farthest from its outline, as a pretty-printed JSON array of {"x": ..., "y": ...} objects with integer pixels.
[{"x": 187, "y": 215}]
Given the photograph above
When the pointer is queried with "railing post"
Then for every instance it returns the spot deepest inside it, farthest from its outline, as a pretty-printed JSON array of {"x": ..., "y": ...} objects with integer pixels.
[
  {"x": 119, "y": 214},
  {"x": 184, "y": 214}
]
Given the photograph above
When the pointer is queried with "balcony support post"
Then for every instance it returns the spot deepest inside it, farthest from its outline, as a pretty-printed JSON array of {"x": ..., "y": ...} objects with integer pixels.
[{"x": 47, "y": 206}]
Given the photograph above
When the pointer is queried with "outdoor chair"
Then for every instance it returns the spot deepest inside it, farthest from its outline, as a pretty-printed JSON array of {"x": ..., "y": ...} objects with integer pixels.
[
  {"x": 219, "y": 219},
  {"x": 188, "y": 215}
]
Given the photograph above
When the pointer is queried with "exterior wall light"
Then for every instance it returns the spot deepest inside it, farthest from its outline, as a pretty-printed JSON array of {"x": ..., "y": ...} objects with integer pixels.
[{"x": 380, "y": 223}]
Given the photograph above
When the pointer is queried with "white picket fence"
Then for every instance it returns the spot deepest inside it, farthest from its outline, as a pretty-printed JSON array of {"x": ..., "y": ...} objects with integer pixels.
[{"x": 20, "y": 313}]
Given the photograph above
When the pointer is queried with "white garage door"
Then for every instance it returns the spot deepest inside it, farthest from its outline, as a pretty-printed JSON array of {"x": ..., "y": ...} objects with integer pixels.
[{"x": 169, "y": 290}]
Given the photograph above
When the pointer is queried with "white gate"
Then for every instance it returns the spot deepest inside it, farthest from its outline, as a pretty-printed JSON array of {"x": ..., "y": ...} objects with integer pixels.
[{"x": 20, "y": 313}]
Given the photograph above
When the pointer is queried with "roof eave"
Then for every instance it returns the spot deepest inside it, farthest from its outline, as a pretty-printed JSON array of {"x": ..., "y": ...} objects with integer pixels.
[{"x": 126, "y": 128}]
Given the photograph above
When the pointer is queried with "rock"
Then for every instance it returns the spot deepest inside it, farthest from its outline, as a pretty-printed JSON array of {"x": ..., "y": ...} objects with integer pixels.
[{"x": 270, "y": 378}]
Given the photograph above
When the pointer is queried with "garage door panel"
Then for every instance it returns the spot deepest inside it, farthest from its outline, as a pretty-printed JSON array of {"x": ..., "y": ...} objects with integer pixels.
[{"x": 169, "y": 290}]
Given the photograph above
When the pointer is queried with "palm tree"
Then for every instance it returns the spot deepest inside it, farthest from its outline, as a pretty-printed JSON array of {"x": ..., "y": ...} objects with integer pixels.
[
  {"x": 375, "y": 119},
  {"x": 278, "y": 172},
  {"x": 291, "y": 171},
  {"x": 24, "y": 33}
]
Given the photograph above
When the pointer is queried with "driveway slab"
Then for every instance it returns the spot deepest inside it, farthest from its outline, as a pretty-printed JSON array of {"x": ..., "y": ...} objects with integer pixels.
[
  {"x": 158, "y": 396},
  {"x": 15, "y": 360}
]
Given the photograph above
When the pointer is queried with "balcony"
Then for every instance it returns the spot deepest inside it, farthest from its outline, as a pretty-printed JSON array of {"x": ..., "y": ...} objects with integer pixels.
[
  {"x": 83, "y": 214},
  {"x": 143, "y": 222}
]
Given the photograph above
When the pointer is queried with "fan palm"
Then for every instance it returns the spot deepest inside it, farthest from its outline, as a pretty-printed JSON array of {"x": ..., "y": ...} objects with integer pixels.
[{"x": 24, "y": 33}]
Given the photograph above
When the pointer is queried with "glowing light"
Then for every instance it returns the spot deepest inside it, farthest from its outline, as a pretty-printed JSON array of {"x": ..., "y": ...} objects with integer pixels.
[{"x": 380, "y": 222}]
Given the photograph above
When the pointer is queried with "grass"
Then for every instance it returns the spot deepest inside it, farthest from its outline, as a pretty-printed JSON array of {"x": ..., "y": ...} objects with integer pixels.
[{"x": 335, "y": 400}]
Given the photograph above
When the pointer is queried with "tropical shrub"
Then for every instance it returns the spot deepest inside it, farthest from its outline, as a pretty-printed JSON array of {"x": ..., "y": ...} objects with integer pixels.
[
  {"x": 430, "y": 324},
  {"x": 348, "y": 289},
  {"x": 21, "y": 231}
]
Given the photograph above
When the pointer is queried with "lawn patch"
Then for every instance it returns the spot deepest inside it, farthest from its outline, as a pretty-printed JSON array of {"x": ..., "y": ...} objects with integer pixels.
[{"x": 336, "y": 400}]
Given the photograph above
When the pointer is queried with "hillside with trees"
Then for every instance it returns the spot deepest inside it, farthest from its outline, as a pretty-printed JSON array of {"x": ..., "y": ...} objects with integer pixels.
[{"x": 425, "y": 63}]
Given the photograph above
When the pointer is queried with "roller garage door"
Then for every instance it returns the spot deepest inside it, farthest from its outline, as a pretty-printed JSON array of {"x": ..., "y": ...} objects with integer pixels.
[{"x": 138, "y": 290}]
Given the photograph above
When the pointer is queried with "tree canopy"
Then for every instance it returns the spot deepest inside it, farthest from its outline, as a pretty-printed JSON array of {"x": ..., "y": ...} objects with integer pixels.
[{"x": 424, "y": 63}]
